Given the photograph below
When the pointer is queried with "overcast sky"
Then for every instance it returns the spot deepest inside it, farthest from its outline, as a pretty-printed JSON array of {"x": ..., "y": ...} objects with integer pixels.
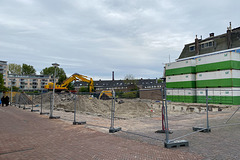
[{"x": 96, "y": 37}]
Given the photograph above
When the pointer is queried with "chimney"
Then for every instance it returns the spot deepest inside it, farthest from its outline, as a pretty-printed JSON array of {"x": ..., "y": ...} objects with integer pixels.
[
  {"x": 196, "y": 46},
  {"x": 229, "y": 36},
  {"x": 211, "y": 34},
  {"x": 112, "y": 75}
]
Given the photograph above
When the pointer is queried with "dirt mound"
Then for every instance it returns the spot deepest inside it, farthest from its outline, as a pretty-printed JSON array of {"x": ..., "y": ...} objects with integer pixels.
[{"x": 128, "y": 108}]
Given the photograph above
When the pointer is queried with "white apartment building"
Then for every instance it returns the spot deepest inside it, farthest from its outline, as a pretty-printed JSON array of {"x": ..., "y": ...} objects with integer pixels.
[
  {"x": 28, "y": 82},
  {"x": 24, "y": 82}
]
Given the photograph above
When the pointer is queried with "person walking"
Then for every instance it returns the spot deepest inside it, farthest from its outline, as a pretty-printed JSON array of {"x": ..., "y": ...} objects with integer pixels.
[
  {"x": 3, "y": 100},
  {"x": 7, "y": 101}
]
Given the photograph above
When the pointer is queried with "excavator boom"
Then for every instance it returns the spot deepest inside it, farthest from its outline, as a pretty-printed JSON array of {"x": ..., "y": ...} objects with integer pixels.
[{"x": 73, "y": 77}]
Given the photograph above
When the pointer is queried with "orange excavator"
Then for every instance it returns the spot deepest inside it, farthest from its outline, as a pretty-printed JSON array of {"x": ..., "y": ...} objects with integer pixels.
[{"x": 74, "y": 77}]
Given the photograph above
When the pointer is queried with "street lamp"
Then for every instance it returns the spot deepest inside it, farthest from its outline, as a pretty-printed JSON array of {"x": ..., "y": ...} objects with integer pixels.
[{"x": 55, "y": 65}]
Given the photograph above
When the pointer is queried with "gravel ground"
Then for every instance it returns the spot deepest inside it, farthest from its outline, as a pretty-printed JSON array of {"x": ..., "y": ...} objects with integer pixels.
[{"x": 221, "y": 143}]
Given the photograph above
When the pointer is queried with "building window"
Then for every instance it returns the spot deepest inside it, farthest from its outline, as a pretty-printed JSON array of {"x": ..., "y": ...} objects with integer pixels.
[
  {"x": 191, "y": 48},
  {"x": 210, "y": 44},
  {"x": 207, "y": 44}
]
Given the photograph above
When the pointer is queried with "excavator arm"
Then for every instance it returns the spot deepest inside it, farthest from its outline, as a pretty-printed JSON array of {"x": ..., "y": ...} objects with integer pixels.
[
  {"x": 76, "y": 77},
  {"x": 80, "y": 77}
]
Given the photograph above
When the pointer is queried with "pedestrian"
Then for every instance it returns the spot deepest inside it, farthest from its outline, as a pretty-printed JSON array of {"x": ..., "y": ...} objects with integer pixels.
[
  {"x": 3, "y": 100},
  {"x": 7, "y": 101}
]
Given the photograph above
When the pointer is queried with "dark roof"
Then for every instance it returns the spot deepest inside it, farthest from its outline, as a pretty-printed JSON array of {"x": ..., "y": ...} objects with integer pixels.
[
  {"x": 228, "y": 40},
  {"x": 120, "y": 83}
]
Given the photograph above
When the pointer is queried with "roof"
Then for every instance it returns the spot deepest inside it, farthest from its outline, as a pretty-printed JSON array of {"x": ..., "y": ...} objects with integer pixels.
[{"x": 225, "y": 41}]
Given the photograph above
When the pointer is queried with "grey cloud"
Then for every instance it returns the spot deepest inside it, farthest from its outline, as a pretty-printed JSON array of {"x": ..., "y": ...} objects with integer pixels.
[{"x": 95, "y": 37}]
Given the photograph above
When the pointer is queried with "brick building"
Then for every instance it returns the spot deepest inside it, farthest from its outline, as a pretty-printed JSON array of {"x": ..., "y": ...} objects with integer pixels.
[{"x": 121, "y": 85}]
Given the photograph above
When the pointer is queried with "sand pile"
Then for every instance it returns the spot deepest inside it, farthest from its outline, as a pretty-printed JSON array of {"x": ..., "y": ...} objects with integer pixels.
[{"x": 129, "y": 108}]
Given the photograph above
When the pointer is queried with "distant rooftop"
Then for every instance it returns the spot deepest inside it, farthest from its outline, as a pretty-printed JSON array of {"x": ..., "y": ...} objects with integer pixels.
[
  {"x": 228, "y": 40},
  {"x": 27, "y": 76}
]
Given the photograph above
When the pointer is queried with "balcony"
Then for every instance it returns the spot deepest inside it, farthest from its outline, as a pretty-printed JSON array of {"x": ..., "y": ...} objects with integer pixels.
[
  {"x": 22, "y": 86},
  {"x": 23, "y": 83},
  {"x": 23, "y": 80},
  {"x": 13, "y": 80}
]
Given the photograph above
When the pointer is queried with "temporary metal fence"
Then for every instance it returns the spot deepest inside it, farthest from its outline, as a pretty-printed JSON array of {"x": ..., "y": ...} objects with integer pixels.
[
  {"x": 174, "y": 141},
  {"x": 43, "y": 102}
]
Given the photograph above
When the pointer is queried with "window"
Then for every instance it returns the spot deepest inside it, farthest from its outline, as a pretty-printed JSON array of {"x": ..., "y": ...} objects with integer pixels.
[
  {"x": 210, "y": 44},
  {"x": 207, "y": 44},
  {"x": 191, "y": 48}
]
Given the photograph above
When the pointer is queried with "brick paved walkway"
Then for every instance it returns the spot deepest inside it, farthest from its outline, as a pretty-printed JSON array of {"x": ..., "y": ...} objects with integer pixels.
[{"x": 26, "y": 135}]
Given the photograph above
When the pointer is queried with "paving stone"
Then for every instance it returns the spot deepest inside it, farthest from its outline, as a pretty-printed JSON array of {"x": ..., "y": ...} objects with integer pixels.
[{"x": 26, "y": 135}]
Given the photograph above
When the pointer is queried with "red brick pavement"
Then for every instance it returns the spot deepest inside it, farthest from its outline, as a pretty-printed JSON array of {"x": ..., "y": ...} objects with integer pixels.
[{"x": 26, "y": 135}]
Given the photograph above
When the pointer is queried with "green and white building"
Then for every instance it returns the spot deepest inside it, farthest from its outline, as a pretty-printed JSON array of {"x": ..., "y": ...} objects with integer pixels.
[{"x": 213, "y": 64}]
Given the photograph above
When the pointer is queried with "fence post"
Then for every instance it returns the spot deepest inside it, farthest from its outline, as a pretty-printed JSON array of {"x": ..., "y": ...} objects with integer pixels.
[
  {"x": 19, "y": 101},
  {"x": 36, "y": 110},
  {"x": 41, "y": 113},
  {"x": 52, "y": 106},
  {"x": 166, "y": 116},
  {"x": 207, "y": 109},
  {"x": 112, "y": 129},
  {"x": 112, "y": 110},
  {"x": 172, "y": 143},
  {"x": 41, "y": 102},
  {"x": 163, "y": 114},
  {"x": 74, "y": 119},
  {"x": 75, "y": 111},
  {"x": 32, "y": 103},
  {"x": 207, "y": 129}
]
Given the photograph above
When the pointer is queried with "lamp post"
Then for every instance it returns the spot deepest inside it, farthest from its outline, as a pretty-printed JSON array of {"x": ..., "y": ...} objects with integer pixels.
[{"x": 55, "y": 65}]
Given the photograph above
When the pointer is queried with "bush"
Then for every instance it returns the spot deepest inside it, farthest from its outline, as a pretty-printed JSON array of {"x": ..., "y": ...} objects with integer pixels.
[
  {"x": 14, "y": 88},
  {"x": 134, "y": 94},
  {"x": 83, "y": 89}
]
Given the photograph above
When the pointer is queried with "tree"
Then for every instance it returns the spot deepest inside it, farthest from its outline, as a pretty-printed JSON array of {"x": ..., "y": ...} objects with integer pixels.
[
  {"x": 70, "y": 86},
  {"x": 131, "y": 82},
  {"x": 14, "y": 88},
  {"x": 159, "y": 80},
  {"x": 28, "y": 70},
  {"x": 2, "y": 87},
  {"x": 15, "y": 68},
  {"x": 129, "y": 79},
  {"x": 60, "y": 73},
  {"x": 1, "y": 81}
]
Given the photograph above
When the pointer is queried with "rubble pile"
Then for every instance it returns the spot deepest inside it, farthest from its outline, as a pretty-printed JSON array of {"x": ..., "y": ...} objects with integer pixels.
[{"x": 124, "y": 108}]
